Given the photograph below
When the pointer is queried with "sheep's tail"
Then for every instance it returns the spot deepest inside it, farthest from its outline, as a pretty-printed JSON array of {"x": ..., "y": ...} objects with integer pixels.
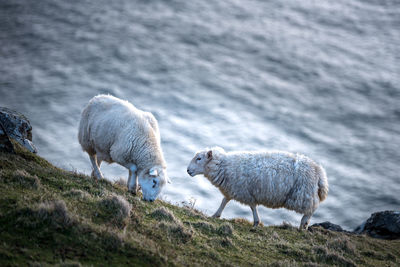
[{"x": 323, "y": 186}]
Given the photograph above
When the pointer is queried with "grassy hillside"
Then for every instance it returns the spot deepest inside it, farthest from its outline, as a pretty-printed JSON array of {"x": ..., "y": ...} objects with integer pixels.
[{"x": 49, "y": 216}]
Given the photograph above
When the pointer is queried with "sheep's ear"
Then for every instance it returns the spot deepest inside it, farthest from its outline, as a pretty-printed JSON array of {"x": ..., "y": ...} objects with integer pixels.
[
  {"x": 153, "y": 172},
  {"x": 209, "y": 154}
]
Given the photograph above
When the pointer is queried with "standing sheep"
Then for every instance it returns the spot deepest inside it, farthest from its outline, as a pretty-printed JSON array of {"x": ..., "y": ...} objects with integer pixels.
[
  {"x": 272, "y": 179},
  {"x": 113, "y": 130}
]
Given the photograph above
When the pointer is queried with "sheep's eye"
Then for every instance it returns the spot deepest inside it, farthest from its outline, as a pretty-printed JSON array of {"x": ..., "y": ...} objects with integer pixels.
[{"x": 198, "y": 159}]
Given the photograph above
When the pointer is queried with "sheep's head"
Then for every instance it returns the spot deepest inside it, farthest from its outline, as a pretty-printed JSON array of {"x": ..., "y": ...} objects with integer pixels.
[
  {"x": 199, "y": 162},
  {"x": 152, "y": 181}
]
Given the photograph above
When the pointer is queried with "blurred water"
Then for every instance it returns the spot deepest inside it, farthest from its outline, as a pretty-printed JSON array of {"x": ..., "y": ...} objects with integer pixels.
[{"x": 314, "y": 76}]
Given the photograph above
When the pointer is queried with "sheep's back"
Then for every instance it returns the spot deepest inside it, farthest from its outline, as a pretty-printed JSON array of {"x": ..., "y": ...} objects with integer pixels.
[
  {"x": 274, "y": 179},
  {"x": 111, "y": 120}
]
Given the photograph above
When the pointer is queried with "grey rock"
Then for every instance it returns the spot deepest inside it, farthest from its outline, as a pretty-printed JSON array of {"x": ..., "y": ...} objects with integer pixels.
[
  {"x": 330, "y": 226},
  {"x": 5, "y": 143},
  {"x": 16, "y": 126},
  {"x": 383, "y": 224}
]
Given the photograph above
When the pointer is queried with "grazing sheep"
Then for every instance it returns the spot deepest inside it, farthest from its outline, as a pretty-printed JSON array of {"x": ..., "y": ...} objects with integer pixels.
[
  {"x": 272, "y": 179},
  {"x": 113, "y": 130}
]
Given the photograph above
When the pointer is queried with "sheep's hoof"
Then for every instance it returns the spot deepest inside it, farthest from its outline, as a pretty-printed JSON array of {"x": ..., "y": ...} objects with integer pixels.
[
  {"x": 97, "y": 177},
  {"x": 255, "y": 224},
  {"x": 133, "y": 191},
  {"x": 215, "y": 216},
  {"x": 303, "y": 227}
]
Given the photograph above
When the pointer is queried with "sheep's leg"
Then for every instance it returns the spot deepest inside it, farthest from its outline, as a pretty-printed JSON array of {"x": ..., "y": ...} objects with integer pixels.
[
  {"x": 96, "y": 171},
  {"x": 98, "y": 161},
  {"x": 256, "y": 218},
  {"x": 305, "y": 221},
  {"x": 133, "y": 179},
  {"x": 218, "y": 213}
]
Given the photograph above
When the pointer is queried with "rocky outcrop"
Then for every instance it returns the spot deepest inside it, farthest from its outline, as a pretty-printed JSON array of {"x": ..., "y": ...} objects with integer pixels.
[
  {"x": 383, "y": 224},
  {"x": 16, "y": 126}
]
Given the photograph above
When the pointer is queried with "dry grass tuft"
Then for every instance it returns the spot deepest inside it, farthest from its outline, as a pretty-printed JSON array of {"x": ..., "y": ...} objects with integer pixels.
[
  {"x": 189, "y": 209},
  {"x": 226, "y": 242},
  {"x": 221, "y": 242},
  {"x": 163, "y": 214},
  {"x": 342, "y": 244},
  {"x": 56, "y": 212},
  {"x": 242, "y": 221},
  {"x": 325, "y": 255},
  {"x": 225, "y": 229},
  {"x": 121, "y": 182},
  {"x": 192, "y": 212},
  {"x": 379, "y": 256},
  {"x": 113, "y": 241},
  {"x": 116, "y": 209},
  {"x": 274, "y": 236},
  {"x": 282, "y": 244},
  {"x": 205, "y": 227},
  {"x": 176, "y": 231},
  {"x": 77, "y": 194},
  {"x": 26, "y": 180},
  {"x": 287, "y": 226}
]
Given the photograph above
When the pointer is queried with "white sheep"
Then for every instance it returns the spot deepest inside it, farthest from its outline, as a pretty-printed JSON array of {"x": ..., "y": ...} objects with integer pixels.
[
  {"x": 273, "y": 179},
  {"x": 113, "y": 130}
]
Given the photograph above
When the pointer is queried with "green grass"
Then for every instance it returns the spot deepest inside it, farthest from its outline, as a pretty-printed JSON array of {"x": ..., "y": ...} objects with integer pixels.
[{"x": 49, "y": 216}]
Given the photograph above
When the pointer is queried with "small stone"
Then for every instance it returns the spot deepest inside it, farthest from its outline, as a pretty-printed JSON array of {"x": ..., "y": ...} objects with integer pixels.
[{"x": 330, "y": 226}]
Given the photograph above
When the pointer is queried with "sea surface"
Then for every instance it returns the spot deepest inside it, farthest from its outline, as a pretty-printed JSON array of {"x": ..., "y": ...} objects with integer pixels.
[{"x": 316, "y": 77}]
